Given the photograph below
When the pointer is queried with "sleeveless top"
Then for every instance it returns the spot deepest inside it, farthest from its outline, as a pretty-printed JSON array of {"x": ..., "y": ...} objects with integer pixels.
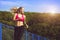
[{"x": 20, "y": 18}]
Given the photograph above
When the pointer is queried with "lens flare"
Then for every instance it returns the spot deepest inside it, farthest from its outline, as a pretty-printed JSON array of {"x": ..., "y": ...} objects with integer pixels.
[{"x": 52, "y": 9}]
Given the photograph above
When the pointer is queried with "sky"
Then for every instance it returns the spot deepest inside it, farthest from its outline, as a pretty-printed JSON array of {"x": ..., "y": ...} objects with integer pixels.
[{"x": 31, "y": 5}]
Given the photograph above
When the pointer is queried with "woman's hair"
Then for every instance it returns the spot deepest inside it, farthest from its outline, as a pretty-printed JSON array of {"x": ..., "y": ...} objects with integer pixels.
[
  {"x": 14, "y": 9},
  {"x": 19, "y": 10}
]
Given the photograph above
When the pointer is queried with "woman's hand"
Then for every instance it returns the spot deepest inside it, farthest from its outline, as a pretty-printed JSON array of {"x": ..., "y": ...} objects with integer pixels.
[{"x": 26, "y": 26}]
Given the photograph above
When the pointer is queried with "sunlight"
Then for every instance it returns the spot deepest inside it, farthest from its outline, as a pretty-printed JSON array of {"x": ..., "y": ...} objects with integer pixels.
[
  {"x": 52, "y": 9},
  {"x": 52, "y": 12}
]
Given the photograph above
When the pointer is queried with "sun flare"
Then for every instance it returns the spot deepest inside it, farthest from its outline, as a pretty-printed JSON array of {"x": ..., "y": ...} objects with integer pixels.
[{"x": 52, "y": 9}]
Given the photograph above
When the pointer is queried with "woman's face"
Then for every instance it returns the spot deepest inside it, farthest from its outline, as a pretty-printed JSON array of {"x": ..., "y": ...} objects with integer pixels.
[{"x": 22, "y": 10}]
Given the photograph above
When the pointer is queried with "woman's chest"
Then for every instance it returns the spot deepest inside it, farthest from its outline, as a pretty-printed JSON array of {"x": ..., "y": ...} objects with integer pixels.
[{"x": 20, "y": 16}]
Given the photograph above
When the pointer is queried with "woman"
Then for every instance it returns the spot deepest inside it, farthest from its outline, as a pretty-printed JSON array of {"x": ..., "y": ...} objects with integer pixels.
[{"x": 20, "y": 21}]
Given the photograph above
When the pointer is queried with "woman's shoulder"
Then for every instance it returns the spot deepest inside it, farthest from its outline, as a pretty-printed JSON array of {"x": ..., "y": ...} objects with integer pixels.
[
  {"x": 24, "y": 15},
  {"x": 15, "y": 14}
]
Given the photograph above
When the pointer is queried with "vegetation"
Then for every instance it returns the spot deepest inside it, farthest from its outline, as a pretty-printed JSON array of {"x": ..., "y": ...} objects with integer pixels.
[
  {"x": 42, "y": 24},
  {"x": 7, "y": 34}
]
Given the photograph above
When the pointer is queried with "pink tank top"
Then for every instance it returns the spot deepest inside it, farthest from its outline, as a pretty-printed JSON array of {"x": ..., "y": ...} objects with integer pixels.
[{"x": 20, "y": 18}]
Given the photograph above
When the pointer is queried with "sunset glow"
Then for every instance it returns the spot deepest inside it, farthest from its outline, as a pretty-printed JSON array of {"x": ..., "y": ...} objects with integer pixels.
[{"x": 52, "y": 9}]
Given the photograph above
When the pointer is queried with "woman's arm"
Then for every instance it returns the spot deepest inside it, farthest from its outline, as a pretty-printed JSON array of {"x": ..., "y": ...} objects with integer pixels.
[
  {"x": 25, "y": 22},
  {"x": 14, "y": 17}
]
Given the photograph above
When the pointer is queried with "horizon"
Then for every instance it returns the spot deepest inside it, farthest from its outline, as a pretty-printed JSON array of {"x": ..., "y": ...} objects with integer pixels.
[{"x": 43, "y": 6}]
